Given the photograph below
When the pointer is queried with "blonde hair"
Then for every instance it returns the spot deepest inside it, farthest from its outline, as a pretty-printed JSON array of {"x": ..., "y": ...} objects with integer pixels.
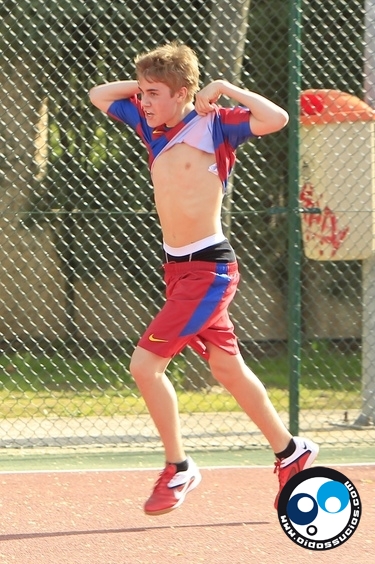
[{"x": 174, "y": 64}]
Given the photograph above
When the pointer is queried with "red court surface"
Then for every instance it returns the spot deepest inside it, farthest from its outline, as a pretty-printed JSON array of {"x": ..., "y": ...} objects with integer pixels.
[{"x": 95, "y": 517}]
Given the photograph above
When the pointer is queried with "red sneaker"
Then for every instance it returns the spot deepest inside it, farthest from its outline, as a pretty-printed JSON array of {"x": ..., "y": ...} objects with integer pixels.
[
  {"x": 171, "y": 488},
  {"x": 302, "y": 458}
]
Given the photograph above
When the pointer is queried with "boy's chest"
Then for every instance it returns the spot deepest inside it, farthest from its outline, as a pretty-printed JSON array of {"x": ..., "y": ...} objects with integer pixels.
[{"x": 184, "y": 165}]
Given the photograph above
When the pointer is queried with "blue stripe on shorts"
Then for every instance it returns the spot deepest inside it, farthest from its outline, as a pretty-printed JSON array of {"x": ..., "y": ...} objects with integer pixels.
[{"x": 209, "y": 302}]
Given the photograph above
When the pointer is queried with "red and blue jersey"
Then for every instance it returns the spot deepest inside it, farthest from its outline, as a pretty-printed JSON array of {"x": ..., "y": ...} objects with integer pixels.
[{"x": 220, "y": 132}]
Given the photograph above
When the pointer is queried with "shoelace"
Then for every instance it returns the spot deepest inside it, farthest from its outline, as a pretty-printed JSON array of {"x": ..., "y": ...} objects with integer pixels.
[
  {"x": 282, "y": 481},
  {"x": 277, "y": 469},
  {"x": 164, "y": 477}
]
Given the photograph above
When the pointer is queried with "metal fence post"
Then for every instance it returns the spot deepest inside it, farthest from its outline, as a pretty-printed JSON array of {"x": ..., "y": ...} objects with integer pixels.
[
  {"x": 294, "y": 230},
  {"x": 367, "y": 415}
]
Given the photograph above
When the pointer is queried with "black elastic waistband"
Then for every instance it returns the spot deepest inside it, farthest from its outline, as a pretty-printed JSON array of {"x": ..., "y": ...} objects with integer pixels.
[
  {"x": 220, "y": 252},
  {"x": 181, "y": 268}
]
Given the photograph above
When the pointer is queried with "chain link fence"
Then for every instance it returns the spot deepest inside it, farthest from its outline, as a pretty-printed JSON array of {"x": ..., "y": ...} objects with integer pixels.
[{"x": 80, "y": 241}]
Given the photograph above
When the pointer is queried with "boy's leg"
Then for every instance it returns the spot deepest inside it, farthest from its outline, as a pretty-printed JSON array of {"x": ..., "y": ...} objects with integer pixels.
[
  {"x": 232, "y": 372},
  {"x": 294, "y": 454},
  {"x": 180, "y": 474},
  {"x": 148, "y": 371}
]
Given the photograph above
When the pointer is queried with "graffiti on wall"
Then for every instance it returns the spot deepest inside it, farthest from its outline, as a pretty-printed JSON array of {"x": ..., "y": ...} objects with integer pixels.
[{"x": 321, "y": 227}]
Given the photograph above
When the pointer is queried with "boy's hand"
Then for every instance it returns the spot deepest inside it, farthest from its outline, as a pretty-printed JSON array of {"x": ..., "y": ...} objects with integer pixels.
[{"x": 205, "y": 99}]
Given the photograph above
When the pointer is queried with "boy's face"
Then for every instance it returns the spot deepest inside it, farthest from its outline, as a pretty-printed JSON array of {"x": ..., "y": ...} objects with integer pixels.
[{"x": 159, "y": 105}]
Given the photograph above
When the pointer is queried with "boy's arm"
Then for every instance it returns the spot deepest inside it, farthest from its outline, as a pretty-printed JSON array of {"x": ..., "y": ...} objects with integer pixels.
[
  {"x": 265, "y": 116},
  {"x": 103, "y": 95}
]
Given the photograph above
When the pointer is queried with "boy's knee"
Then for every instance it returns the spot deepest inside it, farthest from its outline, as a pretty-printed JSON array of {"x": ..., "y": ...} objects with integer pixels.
[
  {"x": 137, "y": 366},
  {"x": 145, "y": 365}
]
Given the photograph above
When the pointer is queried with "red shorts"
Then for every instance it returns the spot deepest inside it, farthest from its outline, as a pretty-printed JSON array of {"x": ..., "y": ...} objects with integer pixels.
[{"x": 196, "y": 309}]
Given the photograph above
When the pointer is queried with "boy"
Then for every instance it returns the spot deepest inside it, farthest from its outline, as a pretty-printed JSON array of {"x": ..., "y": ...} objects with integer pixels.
[{"x": 191, "y": 148}]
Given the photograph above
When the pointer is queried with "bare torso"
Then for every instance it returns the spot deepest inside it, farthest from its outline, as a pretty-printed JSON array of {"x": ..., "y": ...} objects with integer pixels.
[{"x": 188, "y": 196}]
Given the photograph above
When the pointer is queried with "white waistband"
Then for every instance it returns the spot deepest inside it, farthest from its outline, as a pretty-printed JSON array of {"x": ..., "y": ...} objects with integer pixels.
[{"x": 194, "y": 247}]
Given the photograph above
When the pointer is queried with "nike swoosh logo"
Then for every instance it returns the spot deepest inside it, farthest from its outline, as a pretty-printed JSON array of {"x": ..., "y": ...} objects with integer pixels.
[{"x": 156, "y": 340}]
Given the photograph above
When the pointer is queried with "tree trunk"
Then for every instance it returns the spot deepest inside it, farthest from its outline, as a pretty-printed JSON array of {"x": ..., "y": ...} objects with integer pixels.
[
  {"x": 19, "y": 117},
  {"x": 229, "y": 23}
]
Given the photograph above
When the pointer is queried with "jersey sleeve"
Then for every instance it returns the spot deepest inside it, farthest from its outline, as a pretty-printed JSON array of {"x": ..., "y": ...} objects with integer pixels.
[
  {"x": 130, "y": 111},
  {"x": 235, "y": 124},
  {"x": 127, "y": 111}
]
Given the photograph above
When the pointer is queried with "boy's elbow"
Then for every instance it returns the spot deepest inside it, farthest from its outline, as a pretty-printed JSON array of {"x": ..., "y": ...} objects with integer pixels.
[
  {"x": 93, "y": 96},
  {"x": 279, "y": 120},
  {"x": 282, "y": 119},
  {"x": 274, "y": 121},
  {"x": 97, "y": 99}
]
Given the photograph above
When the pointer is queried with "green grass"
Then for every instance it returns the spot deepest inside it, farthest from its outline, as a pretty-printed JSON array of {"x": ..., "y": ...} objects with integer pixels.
[
  {"x": 56, "y": 386},
  {"x": 324, "y": 366},
  {"x": 70, "y": 404}
]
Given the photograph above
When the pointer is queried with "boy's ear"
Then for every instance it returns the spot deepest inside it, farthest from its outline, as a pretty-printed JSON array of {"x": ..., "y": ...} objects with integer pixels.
[{"x": 182, "y": 93}]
